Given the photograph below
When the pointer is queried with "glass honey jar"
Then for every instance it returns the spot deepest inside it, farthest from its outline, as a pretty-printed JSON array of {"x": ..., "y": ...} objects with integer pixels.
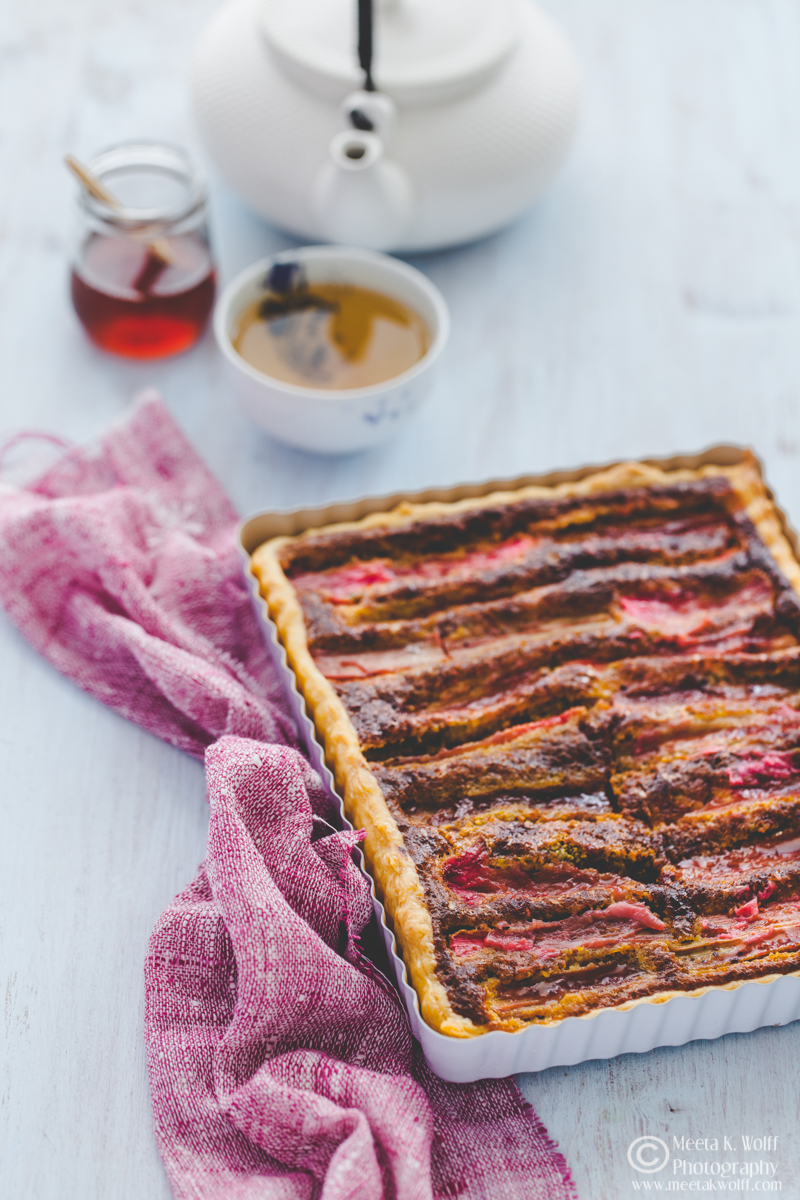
[{"x": 143, "y": 279}]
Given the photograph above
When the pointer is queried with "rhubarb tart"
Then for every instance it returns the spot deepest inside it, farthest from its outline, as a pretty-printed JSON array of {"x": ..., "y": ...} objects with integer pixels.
[{"x": 568, "y": 721}]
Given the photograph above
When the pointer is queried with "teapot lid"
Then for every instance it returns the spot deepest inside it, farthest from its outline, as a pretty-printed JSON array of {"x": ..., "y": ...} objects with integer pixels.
[{"x": 425, "y": 50}]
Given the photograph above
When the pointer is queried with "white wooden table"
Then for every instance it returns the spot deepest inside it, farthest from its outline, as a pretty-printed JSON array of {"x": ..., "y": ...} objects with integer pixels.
[{"x": 650, "y": 304}]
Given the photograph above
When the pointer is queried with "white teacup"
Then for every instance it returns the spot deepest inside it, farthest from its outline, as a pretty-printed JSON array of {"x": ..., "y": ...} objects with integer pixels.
[{"x": 325, "y": 420}]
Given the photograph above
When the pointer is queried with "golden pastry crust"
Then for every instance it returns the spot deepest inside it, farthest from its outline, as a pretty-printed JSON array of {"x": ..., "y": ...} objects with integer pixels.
[{"x": 397, "y": 881}]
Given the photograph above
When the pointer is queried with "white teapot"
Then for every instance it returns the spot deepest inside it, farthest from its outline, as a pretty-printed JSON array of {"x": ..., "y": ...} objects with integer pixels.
[{"x": 475, "y": 107}]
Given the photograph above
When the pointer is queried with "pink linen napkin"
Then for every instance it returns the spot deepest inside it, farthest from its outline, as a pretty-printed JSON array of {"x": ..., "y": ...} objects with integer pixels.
[
  {"x": 282, "y": 1065},
  {"x": 119, "y": 565}
]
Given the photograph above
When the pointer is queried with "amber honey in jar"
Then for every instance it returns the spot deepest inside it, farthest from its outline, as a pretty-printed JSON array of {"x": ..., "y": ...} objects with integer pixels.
[{"x": 143, "y": 279}]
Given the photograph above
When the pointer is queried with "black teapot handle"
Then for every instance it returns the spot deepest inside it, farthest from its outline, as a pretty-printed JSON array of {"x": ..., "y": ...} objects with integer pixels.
[{"x": 365, "y": 42}]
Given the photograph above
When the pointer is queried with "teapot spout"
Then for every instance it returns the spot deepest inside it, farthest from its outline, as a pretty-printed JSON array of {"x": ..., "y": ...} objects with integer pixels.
[{"x": 362, "y": 198}]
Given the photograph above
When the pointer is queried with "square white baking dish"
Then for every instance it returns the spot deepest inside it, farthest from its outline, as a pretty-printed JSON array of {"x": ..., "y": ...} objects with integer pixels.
[{"x": 642, "y": 1024}]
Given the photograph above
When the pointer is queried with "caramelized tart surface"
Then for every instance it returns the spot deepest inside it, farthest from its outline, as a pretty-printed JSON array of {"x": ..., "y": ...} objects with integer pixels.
[{"x": 570, "y": 722}]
